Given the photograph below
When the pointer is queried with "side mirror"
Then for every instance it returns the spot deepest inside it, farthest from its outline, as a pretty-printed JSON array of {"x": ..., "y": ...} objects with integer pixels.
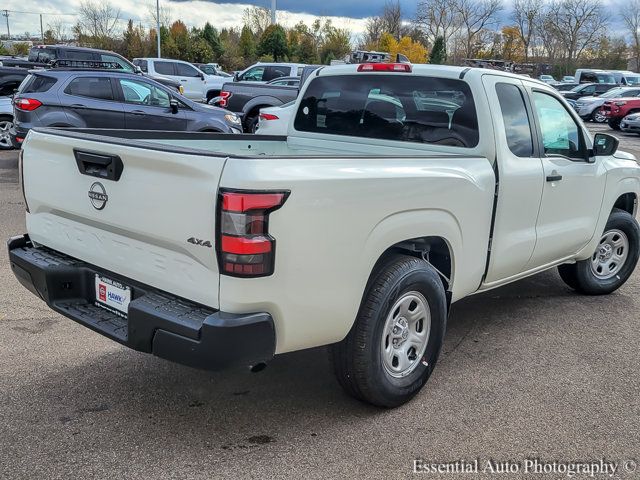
[
  {"x": 173, "y": 103},
  {"x": 137, "y": 69},
  {"x": 236, "y": 77},
  {"x": 604, "y": 144}
]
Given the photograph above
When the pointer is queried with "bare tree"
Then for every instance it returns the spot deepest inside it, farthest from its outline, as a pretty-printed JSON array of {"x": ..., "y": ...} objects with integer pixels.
[
  {"x": 166, "y": 15},
  {"x": 438, "y": 18},
  {"x": 373, "y": 30},
  {"x": 476, "y": 16},
  {"x": 526, "y": 14},
  {"x": 391, "y": 18},
  {"x": 257, "y": 19},
  {"x": 577, "y": 24},
  {"x": 98, "y": 21},
  {"x": 58, "y": 30},
  {"x": 630, "y": 13}
]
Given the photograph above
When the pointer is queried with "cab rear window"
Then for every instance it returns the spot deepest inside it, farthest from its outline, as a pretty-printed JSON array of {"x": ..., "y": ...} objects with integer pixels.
[
  {"x": 38, "y": 84},
  {"x": 393, "y": 107}
]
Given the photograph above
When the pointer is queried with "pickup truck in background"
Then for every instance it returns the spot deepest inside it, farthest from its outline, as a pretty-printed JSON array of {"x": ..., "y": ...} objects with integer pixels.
[
  {"x": 246, "y": 99},
  {"x": 10, "y": 79},
  {"x": 197, "y": 85},
  {"x": 399, "y": 190}
]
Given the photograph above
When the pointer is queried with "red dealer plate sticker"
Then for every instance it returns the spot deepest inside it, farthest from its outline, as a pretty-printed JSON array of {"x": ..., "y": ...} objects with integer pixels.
[{"x": 112, "y": 295}]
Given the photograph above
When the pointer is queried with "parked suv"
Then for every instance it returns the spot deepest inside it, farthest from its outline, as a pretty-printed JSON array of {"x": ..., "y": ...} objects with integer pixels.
[
  {"x": 113, "y": 100},
  {"x": 198, "y": 86},
  {"x": 588, "y": 90},
  {"x": 44, "y": 55},
  {"x": 615, "y": 110}
]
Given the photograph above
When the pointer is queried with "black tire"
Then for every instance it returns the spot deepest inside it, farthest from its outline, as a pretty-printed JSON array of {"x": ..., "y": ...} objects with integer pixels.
[
  {"x": 614, "y": 124},
  {"x": 580, "y": 275},
  {"x": 357, "y": 360},
  {"x": 251, "y": 124},
  {"x": 212, "y": 94}
]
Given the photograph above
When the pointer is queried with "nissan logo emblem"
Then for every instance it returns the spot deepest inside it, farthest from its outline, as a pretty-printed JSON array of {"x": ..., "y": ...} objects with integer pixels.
[{"x": 98, "y": 196}]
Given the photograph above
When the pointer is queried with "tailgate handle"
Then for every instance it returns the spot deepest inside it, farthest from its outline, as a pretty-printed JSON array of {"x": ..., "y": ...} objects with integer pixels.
[{"x": 100, "y": 165}]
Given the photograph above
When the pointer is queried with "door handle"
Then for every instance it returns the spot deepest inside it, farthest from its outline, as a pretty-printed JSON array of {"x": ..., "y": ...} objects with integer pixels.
[
  {"x": 554, "y": 177},
  {"x": 78, "y": 105},
  {"x": 137, "y": 112},
  {"x": 183, "y": 79}
]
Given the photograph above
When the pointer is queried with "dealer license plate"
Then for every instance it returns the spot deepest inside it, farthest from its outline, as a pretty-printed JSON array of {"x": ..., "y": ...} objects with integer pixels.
[{"x": 112, "y": 295}]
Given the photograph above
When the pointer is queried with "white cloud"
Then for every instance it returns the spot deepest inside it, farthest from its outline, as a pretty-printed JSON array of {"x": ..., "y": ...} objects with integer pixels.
[{"x": 193, "y": 13}]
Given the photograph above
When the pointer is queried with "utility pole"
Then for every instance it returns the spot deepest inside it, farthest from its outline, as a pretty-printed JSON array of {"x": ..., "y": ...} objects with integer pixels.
[
  {"x": 158, "y": 25},
  {"x": 41, "y": 30},
  {"x": 273, "y": 12},
  {"x": 5, "y": 14}
]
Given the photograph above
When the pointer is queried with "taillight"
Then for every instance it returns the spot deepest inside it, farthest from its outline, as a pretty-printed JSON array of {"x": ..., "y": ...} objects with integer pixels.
[
  {"x": 385, "y": 67},
  {"x": 27, "y": 104},
  {"x": 224, "y": 99},
  {"x": 268, "y": 116},
  {"x": 245, "y": 248}
]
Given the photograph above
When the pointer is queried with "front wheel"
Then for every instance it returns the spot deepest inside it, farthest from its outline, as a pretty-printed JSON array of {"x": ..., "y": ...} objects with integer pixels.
[
  {"x": 394, "y": 344},
  {"x": 615, "y": 124},
  {"x": 612, "y": 263},
  {"x": 597, "y": 117}
]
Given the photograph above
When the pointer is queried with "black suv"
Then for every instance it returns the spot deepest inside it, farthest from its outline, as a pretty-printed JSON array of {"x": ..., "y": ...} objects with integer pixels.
[
  {"x": 110, "y": 99},
  {"x": 47, "y": 55}
]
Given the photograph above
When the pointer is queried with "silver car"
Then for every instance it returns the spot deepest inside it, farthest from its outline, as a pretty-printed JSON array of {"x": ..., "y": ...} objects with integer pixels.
[
  {"x": 589, "y": 107},
  {"x": 631, "y": 123}
]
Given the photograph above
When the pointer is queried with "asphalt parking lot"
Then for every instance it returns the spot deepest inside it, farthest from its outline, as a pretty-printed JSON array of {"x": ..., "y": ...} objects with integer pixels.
[{"x": 531, "y": 370}]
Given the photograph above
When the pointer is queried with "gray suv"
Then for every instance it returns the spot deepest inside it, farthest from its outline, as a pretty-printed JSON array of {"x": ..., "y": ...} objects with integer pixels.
[{"x": 113, "y": 100}]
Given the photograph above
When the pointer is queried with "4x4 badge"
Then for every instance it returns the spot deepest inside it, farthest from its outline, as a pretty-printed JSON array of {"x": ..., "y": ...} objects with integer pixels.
[
  {"x": 98, "y": 196},
  {"x": 201, "y": 243}
]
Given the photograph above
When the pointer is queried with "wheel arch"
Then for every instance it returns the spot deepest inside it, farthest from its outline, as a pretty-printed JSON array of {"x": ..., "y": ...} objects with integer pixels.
[{"x": 627, "y": 202}]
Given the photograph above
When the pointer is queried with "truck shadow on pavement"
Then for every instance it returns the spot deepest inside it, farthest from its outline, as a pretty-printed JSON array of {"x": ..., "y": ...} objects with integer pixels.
[{"x": 296, "y": 396}]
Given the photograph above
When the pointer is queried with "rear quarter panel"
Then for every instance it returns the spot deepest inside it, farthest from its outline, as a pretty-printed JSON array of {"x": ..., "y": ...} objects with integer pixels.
[{"x": 341, "y": 216}]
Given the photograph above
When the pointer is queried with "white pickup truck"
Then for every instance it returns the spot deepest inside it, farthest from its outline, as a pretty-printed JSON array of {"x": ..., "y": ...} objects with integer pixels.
[{"x": 397, "y": 191}]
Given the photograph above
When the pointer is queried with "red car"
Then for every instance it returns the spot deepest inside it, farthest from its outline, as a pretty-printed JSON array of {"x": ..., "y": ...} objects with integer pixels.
[{"x": 616, "y": 109}]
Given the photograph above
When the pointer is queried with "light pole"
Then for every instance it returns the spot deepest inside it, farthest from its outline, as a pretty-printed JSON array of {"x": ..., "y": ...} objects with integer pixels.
[
  {"x": 273, "y": 12},
  {"x": 158, "y": 25},
  {"x": 5, "y": 14}
]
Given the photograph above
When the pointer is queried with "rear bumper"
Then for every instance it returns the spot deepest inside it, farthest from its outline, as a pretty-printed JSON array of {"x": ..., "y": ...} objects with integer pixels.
[
  {"x": 157, "y": 322},
  {"x": 17, "y": 136}
]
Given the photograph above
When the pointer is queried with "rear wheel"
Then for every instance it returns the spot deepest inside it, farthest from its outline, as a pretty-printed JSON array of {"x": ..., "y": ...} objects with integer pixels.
[
  {"x": 5, "y": 139},
  {"x": 612, "y": 263},
  {"x": 394, "y": 344}
]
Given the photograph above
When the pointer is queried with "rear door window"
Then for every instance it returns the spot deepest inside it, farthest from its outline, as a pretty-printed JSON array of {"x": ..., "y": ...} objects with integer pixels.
[
  {"x": 393, "y": 107},
  {"x": 91, "y": 87},
  {"x": 277, "y": 71},
  {"x": 80, "y": 55},
  {"x": 164, "y": 68},
  {"x": 516, "y": 120},
  {"x": 184, "y": 70},
  {"x": 254, "y": 74}
]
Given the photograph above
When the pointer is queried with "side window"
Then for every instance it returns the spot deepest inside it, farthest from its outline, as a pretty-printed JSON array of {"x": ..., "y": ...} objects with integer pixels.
[
  {"x": 113, "y": 59},
  {"x": 142, "y": 93},
  {"x": 274, "y": 72},
  {"x": 184, "y": 70},
  {"x": 80, "y": 55},
  {"x": 516, "y": 120},
  {"x": 254, "y": 74},
  {"x": 142, "y": 64},
  {"x": 164, "y": 68},
  {"x": 589, "y": 90},
  {"x": 91, "y": 87},
  {"x": 560, "y": 133}
]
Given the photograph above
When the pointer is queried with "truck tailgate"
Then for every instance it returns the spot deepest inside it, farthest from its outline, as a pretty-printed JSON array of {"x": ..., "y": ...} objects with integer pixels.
[{"x": 138, "y": 225}]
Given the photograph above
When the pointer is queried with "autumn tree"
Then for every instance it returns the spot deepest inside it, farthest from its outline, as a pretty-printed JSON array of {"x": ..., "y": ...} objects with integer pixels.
[
  {"x": 513, "y": 48},
  {"x": 526, "y": 14}
]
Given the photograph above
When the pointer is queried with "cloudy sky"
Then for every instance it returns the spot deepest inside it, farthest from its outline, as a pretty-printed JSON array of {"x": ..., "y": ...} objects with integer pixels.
[{"x": 344, "y": 13}]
